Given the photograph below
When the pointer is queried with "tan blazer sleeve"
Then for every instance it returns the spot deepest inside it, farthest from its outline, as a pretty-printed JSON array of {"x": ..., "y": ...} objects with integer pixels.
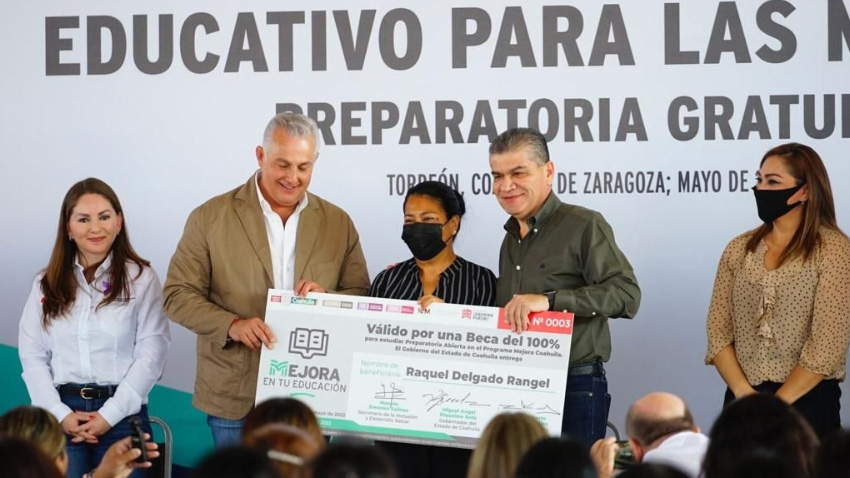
[
  {"x": 187, "y": 285},
  {"x": 353, "y": 275}
]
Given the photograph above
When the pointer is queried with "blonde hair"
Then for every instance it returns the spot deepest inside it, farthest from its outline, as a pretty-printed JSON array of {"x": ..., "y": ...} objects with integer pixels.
[
  {"x": 37, "y": 426},
  {"x": 503, "y": 444}
]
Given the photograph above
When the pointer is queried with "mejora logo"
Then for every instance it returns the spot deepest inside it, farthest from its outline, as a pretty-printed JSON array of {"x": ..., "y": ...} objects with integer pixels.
[{"x": 284, "y": 368}]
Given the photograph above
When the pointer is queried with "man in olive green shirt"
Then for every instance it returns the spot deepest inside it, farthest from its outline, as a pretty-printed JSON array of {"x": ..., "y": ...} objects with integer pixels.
[{"x": 557, "y": 256}]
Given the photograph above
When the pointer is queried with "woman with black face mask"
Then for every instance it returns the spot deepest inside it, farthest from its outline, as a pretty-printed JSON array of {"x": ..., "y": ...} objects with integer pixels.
[
  {"x": 432, "y": 218},
  {"x": 779, "y": 320},
  {"x": 432, "y": 215}
]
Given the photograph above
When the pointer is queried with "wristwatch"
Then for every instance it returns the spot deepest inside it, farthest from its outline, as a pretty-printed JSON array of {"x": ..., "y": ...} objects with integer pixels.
[{"x": 550, "y": 294}]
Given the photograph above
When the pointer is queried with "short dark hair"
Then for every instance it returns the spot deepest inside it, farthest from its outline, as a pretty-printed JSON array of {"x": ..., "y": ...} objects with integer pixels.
[
  {"x": 761, "y": 424},
  {"x": 236, "y": 462},
  {"x": 353, "y": 458},
  {"x": 652, "y": 470},
  {"x": 556, "y": 457},
  {"x": 833, "y": 458},
  {"x": 762, "y": 463},
  {"x": 519, "y": 138},
  {"x": 646, "y": 430},
  {"x": 449, "y": 199}
]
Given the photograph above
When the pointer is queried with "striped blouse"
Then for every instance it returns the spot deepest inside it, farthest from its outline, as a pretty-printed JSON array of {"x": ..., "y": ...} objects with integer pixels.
[{"x": 461, "y": 283}]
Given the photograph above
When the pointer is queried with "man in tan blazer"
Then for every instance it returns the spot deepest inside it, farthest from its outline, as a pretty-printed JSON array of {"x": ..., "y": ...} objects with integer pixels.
[{"x": 268, "y": 233}]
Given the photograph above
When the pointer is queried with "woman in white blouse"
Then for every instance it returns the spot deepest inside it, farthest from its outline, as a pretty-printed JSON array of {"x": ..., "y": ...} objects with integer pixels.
[
  {"x": 93, "y": 337},
  {"x": 778, "y": 321}
]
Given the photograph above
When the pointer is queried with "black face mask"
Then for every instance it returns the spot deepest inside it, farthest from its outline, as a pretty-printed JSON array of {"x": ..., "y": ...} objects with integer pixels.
[
  {"x": 773, "y": 203},
  {"x": 425, "y": 240}
]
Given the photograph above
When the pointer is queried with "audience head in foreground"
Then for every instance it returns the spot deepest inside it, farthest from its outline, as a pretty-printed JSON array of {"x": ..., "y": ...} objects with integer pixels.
[
  {"x": 39, "y": 427},
  {"x": 348, "y": 459},
  {"x": 22, "y": 459},
  {"x": 289, "y": 448},
  {"x": 237, "y": 462},
  {"x": 557, "y": 457},
  {"x": 760, "y": 425},
  {"x": 661, "y": 430},
  {"x": 505, "y": 440},
  {"x": 285, "y": 411}
]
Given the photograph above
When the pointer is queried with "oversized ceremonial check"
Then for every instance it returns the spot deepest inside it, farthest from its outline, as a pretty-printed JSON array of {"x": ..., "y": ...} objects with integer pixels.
[{"x": 384, "y": 369}]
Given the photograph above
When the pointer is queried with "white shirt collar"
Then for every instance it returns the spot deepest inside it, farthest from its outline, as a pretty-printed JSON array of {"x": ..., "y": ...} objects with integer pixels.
[
  {"x": 101, "y": 269},
  {"x": 266, "y": 207},
  {"x": 104, "y": 266}
]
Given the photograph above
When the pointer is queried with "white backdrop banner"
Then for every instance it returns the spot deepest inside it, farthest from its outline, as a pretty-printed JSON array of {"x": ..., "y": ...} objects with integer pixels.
[{"x": 657, "y": 115}]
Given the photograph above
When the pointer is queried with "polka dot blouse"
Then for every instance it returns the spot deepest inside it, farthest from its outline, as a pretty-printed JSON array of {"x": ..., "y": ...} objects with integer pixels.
[{"x": 796, "y": 314}]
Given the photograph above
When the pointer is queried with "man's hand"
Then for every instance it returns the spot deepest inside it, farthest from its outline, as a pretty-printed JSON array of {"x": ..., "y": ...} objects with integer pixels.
[
  {"x": 252, "y": 332},
  {"x": 603, "y": 453},
  {"x": 304, "y": 287},
  {"x": 120, "y": 459},
  {"x": 426, "y": 300},
  {"x": 520, "y": 305},
  {"x": 71, "y": 425}
]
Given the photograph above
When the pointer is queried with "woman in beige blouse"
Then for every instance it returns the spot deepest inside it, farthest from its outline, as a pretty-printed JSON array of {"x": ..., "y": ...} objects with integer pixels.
[{"x": 779, "y": 320}]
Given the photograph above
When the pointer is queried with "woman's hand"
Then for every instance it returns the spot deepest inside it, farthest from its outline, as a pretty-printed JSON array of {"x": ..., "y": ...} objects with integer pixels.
[
  {"x": 426, "y": 300},
  {"x": 72, "y": 425},
  {"x": 744, "y": 391},
  {"x": 94, "y": 427},
  {"x": 731, "y": 372}
]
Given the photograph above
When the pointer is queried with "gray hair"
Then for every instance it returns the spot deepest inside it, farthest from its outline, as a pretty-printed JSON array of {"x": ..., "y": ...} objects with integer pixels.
[
  {"x": 519, "y": 138},
  {"x": 294, "y": 124}
]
